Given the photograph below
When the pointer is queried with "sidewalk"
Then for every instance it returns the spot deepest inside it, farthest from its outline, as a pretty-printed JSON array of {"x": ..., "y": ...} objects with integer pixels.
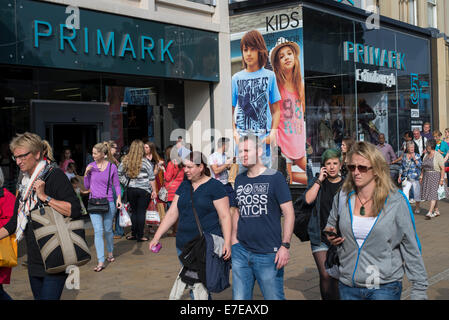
[{"x": 138, "y": 274}]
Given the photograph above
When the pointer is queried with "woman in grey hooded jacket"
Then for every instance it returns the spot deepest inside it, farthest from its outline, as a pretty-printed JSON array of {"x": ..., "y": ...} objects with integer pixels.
[{"x": 378, "y": 240}]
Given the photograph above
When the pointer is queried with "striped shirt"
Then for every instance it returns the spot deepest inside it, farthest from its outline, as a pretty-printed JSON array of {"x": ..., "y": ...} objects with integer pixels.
[{"x": 143, "y": 179}]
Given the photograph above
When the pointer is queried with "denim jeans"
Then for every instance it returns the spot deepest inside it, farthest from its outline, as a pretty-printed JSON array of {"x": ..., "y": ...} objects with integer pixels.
[
  {"x": 388, "y": 291},
  {"x": 118, "y": 231},
  {"x": 48, "y": 287},
  {"x": 247, "y": 267},
  {"x": 102, "y": 223},
  {"x": 3, "y": 295}
]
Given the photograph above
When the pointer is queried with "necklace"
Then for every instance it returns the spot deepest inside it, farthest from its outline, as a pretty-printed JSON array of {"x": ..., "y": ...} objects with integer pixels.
[{"x": 362, "y": 209}]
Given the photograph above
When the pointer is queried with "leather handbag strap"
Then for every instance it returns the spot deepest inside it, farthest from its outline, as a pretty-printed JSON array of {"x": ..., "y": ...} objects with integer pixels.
[
  {"x": 194, "y": 212},
  {"x": 109, "y": 177}
]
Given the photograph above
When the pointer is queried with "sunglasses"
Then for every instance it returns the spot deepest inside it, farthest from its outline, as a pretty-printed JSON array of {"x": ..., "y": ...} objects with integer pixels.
[{"x": 362, "y": 169}]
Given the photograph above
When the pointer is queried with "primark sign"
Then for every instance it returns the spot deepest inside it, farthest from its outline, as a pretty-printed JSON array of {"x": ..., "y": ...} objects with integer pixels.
[
  {"x": 371, "y": 55},
  {"x": 41, "y": 34}
]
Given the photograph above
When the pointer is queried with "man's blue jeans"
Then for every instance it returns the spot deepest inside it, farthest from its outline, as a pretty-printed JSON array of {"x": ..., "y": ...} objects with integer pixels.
[
  {"x": 389, "y": 291},
  {"x": 102, "y": 223},
  {"x": 247, "y": 267}
]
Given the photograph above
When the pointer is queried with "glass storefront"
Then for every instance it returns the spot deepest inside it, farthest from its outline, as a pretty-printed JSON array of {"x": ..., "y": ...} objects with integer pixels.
[
  {"x": 76, "y": 109},
  {"x": 361, "y": 82}
]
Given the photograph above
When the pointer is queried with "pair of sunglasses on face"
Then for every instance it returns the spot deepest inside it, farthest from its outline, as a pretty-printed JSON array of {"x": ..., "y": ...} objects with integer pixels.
[{"x": 362, "y": 169}]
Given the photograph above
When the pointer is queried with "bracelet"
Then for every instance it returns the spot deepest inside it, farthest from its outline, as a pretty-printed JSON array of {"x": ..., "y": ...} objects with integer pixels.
[{"x": 317, "y": 181}]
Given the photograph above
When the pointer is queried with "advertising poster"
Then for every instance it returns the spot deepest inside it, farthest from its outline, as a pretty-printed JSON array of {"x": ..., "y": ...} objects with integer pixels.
[{"x": 270, "y": 101}]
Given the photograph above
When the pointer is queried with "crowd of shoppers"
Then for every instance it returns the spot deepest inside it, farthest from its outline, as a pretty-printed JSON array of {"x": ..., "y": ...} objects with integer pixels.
[{"x": 353, "y": 195}]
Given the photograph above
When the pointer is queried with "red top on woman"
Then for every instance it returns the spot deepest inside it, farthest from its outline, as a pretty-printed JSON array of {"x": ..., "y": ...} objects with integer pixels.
[
  {"x": 173, "y": 179},
  {"x": 7, "y": 200}
]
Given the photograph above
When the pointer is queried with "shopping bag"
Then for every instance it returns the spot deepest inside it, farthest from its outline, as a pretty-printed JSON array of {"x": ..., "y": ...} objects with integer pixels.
[
  {"x": 124, "y": 219},
  {"x": 8, "y": 251},
  {"x": 441, "y": 192},
  {"x": 152, "y": 215}
]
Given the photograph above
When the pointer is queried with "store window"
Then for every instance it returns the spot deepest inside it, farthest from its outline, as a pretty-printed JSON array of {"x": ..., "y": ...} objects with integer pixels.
[
  {"x": 75, "y": 110},
  {"x": 361, "y": 82}
]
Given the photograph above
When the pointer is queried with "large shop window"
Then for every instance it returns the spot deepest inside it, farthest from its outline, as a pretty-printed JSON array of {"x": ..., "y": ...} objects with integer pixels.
[
  {"x": 75, "y": 110},
  {"x": 356, "y": 95}
]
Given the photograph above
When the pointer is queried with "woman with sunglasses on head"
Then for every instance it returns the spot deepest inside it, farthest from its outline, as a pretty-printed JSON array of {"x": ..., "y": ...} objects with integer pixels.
[
  {"x": 100, "y": 177},
  {"x": 320, "y": 195},
  {"x": 376, "y": 238}
]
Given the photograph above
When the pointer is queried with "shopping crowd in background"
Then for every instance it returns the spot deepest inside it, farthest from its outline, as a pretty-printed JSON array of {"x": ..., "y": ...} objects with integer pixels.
[{"x": 356, "y": 193}]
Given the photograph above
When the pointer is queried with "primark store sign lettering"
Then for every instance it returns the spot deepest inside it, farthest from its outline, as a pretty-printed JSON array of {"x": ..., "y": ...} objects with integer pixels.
[{"x": 36, "y": 33}]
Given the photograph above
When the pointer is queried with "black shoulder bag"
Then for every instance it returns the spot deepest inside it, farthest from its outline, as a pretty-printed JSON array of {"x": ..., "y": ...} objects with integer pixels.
[
  {"x": 201, "y": 263},
  {"x": 100, "y": 205}
]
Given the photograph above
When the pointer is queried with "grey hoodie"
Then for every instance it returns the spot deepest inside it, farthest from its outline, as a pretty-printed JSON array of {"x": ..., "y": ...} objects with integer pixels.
[{"x": 391, "y": 247}]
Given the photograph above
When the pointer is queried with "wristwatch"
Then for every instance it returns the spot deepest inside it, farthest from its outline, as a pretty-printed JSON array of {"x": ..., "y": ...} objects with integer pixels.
[
  {"x": 286, "y": 245},
  {"x": 47, "y": 200}
]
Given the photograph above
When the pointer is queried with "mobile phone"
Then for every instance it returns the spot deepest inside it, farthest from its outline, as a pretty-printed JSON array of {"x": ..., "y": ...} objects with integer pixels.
[
  {"x": 156, "y": 248},
  {"x": 330, "y": 233}
]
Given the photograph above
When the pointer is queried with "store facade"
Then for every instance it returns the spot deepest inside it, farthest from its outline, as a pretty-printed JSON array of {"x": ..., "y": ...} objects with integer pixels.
[
  {"x": 359, "y": 81},
  {"x": 77, "y": 76}
]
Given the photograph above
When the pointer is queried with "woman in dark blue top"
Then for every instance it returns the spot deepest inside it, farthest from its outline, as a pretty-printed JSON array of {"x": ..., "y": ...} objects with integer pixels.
[{"x": 211, "y": 204}]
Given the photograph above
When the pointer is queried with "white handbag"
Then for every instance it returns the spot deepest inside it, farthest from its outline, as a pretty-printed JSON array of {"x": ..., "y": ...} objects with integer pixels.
[
  {"x": 441, "y": 192},
  {"x": 124, "y": 219}
]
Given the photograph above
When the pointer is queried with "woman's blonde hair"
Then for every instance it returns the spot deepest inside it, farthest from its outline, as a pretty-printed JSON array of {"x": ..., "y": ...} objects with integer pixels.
[
  {"x": 104, "y": 148},
  {"x": 381, "y": 170},
  {"x": 28, "y": 140},
  {"x": 48, "y": 151},
  {"x": 132, "y": 162}
]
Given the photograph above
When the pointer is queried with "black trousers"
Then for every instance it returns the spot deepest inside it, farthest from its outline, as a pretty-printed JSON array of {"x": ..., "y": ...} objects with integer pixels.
[{"x": 139, "y": 200}]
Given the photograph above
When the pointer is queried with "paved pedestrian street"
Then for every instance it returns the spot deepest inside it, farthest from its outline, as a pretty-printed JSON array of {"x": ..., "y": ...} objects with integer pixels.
[{"x": 138, "y": 274}]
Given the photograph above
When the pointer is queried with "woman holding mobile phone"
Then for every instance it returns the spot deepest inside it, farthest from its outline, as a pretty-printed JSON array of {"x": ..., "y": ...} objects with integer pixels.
[
  {"x": 378, "y": 232},
  {"x": 321, "y": 194}
]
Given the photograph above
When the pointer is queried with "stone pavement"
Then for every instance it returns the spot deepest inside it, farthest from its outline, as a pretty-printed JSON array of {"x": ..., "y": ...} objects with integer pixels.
[{"x": 138, "y": 274}]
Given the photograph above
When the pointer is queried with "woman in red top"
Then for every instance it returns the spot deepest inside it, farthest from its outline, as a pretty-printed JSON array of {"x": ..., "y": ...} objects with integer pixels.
[
  {"x": 173, "y": 176},
  {"x": 7, "y": 200}
]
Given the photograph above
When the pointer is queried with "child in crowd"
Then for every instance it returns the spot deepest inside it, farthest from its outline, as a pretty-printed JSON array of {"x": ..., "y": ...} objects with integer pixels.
[{"x": 71, "y": 171}]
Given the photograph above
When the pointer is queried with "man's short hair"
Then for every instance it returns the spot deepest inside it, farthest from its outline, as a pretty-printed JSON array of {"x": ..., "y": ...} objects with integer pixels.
[{"x": 251, "y": 137}]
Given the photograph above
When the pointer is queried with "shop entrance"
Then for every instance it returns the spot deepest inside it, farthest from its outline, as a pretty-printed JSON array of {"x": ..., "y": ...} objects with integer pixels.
[{"x": 79, "y": 138}]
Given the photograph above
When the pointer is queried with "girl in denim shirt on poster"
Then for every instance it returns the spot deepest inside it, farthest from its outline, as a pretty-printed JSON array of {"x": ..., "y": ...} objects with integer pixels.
[{"x": 410, "y": 172}]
